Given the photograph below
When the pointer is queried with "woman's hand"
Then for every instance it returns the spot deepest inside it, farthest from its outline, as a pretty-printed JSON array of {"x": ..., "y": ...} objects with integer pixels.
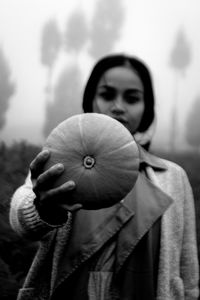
[{"x": 43, "y": 181}]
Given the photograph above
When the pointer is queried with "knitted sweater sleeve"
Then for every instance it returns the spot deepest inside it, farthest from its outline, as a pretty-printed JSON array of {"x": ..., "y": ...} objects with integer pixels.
[{"x": 25, "y": 218}]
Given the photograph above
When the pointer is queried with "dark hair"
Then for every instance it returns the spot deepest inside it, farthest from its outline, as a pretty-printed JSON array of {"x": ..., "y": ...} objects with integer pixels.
[{"x": 111, "y": 61}]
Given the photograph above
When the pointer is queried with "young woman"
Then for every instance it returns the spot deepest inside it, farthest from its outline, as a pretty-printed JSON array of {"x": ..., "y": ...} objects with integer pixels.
[{"x": 141, "y": 248}]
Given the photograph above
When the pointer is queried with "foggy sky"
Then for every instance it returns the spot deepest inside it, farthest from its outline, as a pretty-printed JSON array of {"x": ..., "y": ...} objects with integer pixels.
[{"x": 149, "y": 31}]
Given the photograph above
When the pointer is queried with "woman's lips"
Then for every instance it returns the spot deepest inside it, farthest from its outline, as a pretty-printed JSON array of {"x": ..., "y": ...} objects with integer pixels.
[{"x": 123, "y": 121}]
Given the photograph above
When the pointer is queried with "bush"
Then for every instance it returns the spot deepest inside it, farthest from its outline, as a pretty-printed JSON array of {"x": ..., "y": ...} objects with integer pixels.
[{"x": 15, "y": 253}]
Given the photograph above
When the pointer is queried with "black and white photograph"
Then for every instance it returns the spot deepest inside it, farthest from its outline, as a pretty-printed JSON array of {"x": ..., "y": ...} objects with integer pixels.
[{"x": 99, "y": 150}]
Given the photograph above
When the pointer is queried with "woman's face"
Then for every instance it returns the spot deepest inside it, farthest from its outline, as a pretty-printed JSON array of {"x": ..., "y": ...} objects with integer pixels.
[{"x": 120, "y": 95}]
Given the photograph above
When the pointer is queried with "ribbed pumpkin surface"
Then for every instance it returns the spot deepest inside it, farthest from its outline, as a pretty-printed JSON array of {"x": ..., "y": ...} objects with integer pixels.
[{"x": 99, "y": 155}]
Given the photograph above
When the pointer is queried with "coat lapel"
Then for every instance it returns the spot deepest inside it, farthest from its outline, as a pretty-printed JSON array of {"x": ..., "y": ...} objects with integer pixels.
[
  {"x": 148, "y": 203},
  {"x": 90, "y": 230}
]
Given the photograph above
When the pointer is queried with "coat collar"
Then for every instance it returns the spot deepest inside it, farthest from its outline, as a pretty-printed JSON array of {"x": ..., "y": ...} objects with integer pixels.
[{"x": 151, "y": 160}]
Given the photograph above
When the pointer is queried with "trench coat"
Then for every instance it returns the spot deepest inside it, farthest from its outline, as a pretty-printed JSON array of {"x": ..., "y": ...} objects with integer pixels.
[{"x": 162, "y": 191}]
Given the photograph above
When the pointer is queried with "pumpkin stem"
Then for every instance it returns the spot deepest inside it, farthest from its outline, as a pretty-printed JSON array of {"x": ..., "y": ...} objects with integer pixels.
[{"x": 88, "y": 162}]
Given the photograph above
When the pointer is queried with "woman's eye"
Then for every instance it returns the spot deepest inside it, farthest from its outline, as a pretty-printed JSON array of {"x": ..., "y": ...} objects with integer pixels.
[
  {"x": 132, "y": 99},
  {"x": 106, "y": 95}
]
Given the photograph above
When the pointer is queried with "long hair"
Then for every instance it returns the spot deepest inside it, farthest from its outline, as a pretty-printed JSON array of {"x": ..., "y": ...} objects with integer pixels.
[{"x": 117, "y": 60}]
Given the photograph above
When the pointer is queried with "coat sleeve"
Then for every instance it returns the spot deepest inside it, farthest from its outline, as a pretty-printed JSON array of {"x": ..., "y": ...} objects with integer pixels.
[
  {"x": 189, "y": 265},
  {"x": 24, "y": 217}
]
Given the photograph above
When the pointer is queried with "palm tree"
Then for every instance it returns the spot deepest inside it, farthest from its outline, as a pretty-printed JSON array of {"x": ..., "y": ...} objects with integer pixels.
[
  {"x": 106, "y": 27},
  {"x": 50, "y": 46},
  {"x": 76, "y": 32},
  {"x": 179, "y": 60},
  {"x": 66, "y": 98}
]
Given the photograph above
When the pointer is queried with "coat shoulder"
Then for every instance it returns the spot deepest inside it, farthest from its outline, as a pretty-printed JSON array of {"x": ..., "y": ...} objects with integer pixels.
[{"x": 170, "y": 165}]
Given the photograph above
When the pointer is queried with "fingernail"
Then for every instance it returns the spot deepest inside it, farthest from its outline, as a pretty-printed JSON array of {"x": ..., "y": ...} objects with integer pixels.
[
  {"x": 71, "y": 184},
  {"x": 46, "y": 153},
  {"x": 60, "y": 167}
]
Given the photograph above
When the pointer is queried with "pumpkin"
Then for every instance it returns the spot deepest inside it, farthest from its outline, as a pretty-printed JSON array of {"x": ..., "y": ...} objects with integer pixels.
[{"x": 99, "y": 154}]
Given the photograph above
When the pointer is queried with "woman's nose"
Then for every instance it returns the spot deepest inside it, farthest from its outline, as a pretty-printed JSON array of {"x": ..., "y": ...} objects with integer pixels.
[{"x": 118, "y": 105}]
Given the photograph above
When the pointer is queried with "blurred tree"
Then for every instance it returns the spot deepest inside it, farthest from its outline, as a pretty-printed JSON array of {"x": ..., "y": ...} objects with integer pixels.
[
  {"x": 181, "y": 54},
  {"x": 7, "y": 87},
  {"x": 179, "y": 60},
  {"x": 50, "y": 46},
  {"x": 67, "y": 97},
  {"x": 106, "y": 26},
  {"x": 76, "y": 32},
  {"x": 193, "y": 125}
]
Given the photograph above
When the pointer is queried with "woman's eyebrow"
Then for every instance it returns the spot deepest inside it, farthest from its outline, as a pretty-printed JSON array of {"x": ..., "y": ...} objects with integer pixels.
[
  {"x": 105, "y": 86},
  {"x": 134, "y": 90}
]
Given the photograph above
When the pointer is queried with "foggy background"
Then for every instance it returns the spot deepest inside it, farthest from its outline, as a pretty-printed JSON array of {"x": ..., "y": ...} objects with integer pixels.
[{"x": 47, "y": 49}]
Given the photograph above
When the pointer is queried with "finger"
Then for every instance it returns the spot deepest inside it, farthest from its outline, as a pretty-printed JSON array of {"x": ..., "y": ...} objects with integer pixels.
[
  {"x": 61, "y": 192},
  {"x": 49, "y": 176},
  {"x": 38, "y": 163}
]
